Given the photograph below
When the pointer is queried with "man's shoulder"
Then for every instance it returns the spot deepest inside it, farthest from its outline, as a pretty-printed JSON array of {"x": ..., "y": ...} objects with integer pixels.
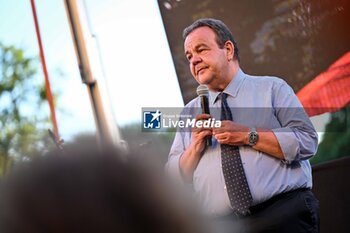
[
  {"x": 265, "y": 79},
  {"x": 265, "y": 84},
  {"x": 193, "y": 103},
  {"x": 191, "y": 108}
]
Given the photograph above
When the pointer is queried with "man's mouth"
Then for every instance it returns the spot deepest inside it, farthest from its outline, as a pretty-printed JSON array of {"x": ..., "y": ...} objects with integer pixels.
[{"x": 200, "y": 69}]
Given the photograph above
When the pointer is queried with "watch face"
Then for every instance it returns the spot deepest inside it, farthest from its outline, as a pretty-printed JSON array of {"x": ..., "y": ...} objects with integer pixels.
[{"x": 253, "y": 138}]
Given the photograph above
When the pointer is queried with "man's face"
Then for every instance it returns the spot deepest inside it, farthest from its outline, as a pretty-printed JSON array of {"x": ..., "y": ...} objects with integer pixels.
[{"x": 208, "y": 62}]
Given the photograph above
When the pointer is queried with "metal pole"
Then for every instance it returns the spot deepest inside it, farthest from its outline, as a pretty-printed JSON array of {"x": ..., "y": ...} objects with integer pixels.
[
  {"x": 108, "y": 132},
  {"x": 47, "y": 82}
]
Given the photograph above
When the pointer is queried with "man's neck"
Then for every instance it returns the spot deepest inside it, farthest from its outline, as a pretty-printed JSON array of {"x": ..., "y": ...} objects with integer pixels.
[{"x": 232, "y": 72}]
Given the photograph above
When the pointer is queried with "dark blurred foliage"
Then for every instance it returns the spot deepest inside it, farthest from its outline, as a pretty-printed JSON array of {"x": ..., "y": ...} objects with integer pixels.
[
  {"x": 293, "y": 39},
  {"x": 335, "y": 143},
  {"x": 22, "y": 121}
]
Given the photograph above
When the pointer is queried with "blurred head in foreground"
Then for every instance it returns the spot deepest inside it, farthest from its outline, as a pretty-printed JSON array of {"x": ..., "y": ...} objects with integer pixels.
[{"x": 87, "y": 190}]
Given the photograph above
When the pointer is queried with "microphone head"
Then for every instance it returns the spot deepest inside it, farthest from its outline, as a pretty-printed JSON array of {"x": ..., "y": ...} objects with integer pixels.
[{"x": 202, "y": 90}]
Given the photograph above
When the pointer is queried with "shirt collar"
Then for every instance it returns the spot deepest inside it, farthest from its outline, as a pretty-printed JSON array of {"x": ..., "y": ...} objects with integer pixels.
[{"x": 232, "y": 88}]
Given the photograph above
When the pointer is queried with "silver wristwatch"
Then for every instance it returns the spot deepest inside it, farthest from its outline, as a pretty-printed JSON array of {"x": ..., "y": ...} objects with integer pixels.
[{"x": 253, "y": 137}]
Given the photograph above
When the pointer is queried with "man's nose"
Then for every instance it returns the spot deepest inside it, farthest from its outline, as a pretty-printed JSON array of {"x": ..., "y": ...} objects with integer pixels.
[{"x": 195, "y": 60}]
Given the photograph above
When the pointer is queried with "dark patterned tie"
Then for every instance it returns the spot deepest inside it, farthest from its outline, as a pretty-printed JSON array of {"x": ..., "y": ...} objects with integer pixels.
[{"x": 232, "y": 167}]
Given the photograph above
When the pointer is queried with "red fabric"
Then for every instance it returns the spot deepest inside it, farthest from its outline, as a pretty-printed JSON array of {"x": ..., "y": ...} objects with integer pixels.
[{"x": 330, "y": 90}]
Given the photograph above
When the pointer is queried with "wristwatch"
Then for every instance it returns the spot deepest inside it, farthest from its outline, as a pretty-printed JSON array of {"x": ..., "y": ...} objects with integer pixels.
[{"x": 253, "y": 137}]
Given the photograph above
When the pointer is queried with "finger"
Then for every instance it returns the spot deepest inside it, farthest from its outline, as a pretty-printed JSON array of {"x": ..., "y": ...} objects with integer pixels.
[
  {"x": 200, "y": 129},
  {"x": 200, "y": 137},
  {"x": 222, "y": 140},
  {"x": 221, "y": 136},
  {"x": 219, "y": 130},
  {"x": 205, "y": 133},
  {"x": 202, "y": 117}
]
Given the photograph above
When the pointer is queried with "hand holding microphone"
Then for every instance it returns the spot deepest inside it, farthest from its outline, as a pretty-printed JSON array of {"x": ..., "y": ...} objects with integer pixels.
[{"x": 203, "y": 93}]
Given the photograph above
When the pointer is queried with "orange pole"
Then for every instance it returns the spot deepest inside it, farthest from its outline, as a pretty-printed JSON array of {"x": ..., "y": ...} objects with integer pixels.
[{"x": 47, "y": 82}]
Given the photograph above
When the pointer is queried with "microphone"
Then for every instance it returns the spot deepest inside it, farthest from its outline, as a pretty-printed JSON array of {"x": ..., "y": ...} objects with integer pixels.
[{"x": 203, "y": 93}]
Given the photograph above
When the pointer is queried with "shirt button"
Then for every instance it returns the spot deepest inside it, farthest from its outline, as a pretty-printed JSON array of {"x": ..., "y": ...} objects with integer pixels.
[{"x": 225, "y": 187}]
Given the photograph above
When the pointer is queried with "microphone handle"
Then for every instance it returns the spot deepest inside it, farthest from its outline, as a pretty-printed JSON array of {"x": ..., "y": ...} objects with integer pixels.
[
  {"x": 205, "y": 104},
  {"x": 208, "y": 140},
  {"x": 205, "y": 109}
]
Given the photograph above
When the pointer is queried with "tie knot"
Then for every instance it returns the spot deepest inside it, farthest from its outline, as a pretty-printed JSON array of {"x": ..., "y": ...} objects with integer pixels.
[
  {"x": 225, "y": 109},
  {"x": 223, "y": 95}
]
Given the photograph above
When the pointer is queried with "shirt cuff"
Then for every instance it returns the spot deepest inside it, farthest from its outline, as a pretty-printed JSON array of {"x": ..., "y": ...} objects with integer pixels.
[{"x": 288, "y": 143}]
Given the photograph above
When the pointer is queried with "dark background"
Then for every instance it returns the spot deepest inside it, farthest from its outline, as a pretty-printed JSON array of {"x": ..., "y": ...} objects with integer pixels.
[
  {"x": 295, "y": 40},
  {"x": 292, "y": 39}
]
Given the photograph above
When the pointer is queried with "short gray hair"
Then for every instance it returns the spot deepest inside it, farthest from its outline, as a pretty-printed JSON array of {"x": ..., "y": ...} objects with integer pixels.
[{"x": 222, "y": 32}]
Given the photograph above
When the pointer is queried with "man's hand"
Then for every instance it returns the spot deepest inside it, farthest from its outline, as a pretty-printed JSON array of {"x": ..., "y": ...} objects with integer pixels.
[
  {"x": 190, "y": 158},
  {"x": 199, "y": 134},
  {"x": 231, "y": 133}
]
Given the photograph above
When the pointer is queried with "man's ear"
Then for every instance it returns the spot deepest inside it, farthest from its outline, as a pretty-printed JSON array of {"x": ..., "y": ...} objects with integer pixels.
[{"x": 229, "y": 47}]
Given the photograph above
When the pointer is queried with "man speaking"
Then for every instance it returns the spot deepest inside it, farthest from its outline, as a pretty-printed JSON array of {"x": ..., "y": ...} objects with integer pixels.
[{"x": 255, "y": 176}]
